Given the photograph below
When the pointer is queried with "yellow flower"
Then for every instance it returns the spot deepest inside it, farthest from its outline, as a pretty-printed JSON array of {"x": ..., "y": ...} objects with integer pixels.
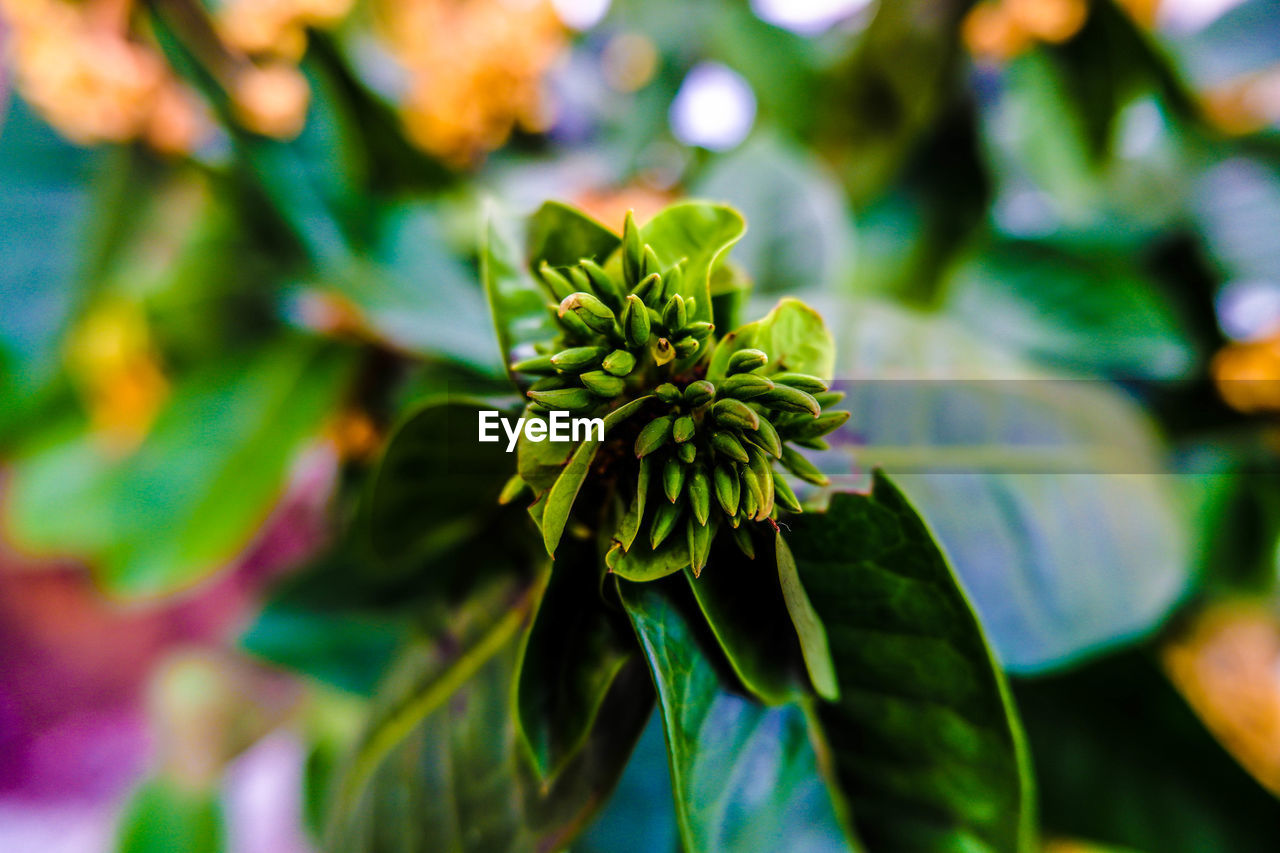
[
  {"x": 1248, "y": 375},
  {"x": 112, "y": 361}
]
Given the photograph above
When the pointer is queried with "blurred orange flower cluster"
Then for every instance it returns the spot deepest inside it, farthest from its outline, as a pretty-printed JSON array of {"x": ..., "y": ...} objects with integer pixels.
[
  {"x": 269, "y": 94},
  {"x": 998, "y": 30},
  {"x": 475, "y": 70},
  {"x": 90, "y": 69},
  {"x": 84, "y": 69}
]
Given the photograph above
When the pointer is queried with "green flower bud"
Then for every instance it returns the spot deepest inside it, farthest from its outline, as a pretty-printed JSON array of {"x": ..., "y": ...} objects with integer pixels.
[
  {"x": 735, "y": 413},
  {"x": 550, "y": 383},
  {"x": 664, "y": 521},
  {"x": 590, "y": 310},
  {"x": 727, "y": 445},
  {"x": 686, "y": 347},
  {"x": 663, "y": 352},
  {"x": 673, "y": 479},
  {"x": 699, "y": 536},
  {"x": 700, "y": 495},
  {"x": 649, "y": 263},
  {"x": 673, "y": 315},
  {"x": 649, "y": 290},
  {"x": 687, "y": 453},
  {"x": 602, "y": 384},
  {"x": 653, "y": 436},
  {"x": 667, "y": 393},
  {"x": 742, "y": 538},
  {"x": 574, "y": 326},
  {"x": 619, "y": 362},
  {"x": 759, "y": 466},
  {"x": 514, "y": 488},
  {"x": 744, "y": 386},
  {"x": 537, "y": 364},
  {"x": 784, "y": 496},
  {"x": 828, "y": 399},
  {"x": 809, "y": 429},
  {"x": 691, "y": 303},
  {"x": 747, "y": 360},
  {"x": 632, "y": 251},
  {"x": 728, "y": 490},
  {"x": 577, "y": 359},
  {"x": 766, "y": 437},
  {"x": 684, "y": 429},
  {"x": 699, "y": 330},
  {"x": 605, "y": 286},
  {"x": 754, "y": 493},
  {"x": 699, "y": 393},
  {"x": 559, "y": 286},
  {"x": 750, "y": 497},
  {"x": 572, "y": 399},
  {"x": 635, "y": 322},
  {"x": 787, "y": 399},
  {"x": 803, "y": 381},
  {"x": 801, "y": 467}
]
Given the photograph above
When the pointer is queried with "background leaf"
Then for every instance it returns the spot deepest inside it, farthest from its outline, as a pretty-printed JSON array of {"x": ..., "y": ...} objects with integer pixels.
[{"x": 195, "y": 493}]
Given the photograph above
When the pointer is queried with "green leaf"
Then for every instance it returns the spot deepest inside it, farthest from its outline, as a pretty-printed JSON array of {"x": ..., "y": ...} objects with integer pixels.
[
  {"x": 643, "y": 563},
  {"x": 559, "y": 501},
  {"x": 439, "y": 767},
  {"x": 793, "y": 335},
  {"x": 436, "y": 485},
  {"x": 808, "y": 625},
  {"x": 571, "y": 657},
  {"x": 1008, "y": 465},
  {"x": 44, "y": 198},
  {"x": 196, "y": 492},
  {"x": 1082, "y": 312},
  {"x": 743, "y": 605},
  {"x": 561, "y": 236},
  {"x": 699, "y": 233},
  {"x": 416, "y": 294},
  {"x": 517, "y": 302},
  {"x": 744, "y": 776},
  {"x": 1121, "y": 759},
  {"x": 163, "y": 815},
  {"x": 801, "y": 236},
  {"x": 925, "y": 742}
]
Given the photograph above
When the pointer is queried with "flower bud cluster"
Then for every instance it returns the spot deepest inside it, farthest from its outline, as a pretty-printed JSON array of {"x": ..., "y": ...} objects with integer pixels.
[{"x": 709, "y": 442}]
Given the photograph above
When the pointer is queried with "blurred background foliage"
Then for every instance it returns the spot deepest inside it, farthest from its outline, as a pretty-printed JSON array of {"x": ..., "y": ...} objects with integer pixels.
[{"x": 238, "y": 238}]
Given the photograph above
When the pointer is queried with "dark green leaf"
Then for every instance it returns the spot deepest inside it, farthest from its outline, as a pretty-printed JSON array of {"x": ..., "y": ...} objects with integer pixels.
[
  {"x": 572, "y": 656},
  {"x": 926, "y": 746},
  {"x": 436, "y": 484},
  {"x": 559, "y": 501},
  {"x": 743, "y": 605},
  {"x": 439, "y": 767},
  {"x": 745, "y": 777}
]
